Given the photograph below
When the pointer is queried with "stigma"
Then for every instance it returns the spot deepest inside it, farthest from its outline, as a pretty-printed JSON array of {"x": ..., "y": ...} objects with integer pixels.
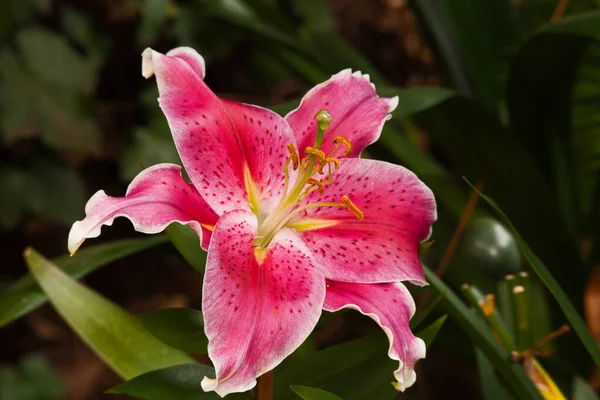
[{"x": 315, "y": 162}]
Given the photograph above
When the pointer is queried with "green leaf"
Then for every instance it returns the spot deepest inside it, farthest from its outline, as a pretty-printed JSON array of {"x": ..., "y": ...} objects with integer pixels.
[
  {"x": 484, "y": 32},
  {"x": 181, "y": 382},
  {"x": 186, "y": 241},
  {"x": 340, "y": 54},
  {"x": 51, "y": 58},
  {"x": 321, "y": 368},
  {"x": 428, "y": 334},
  {"x": 515, "y": 377},
  {"x": 25, "y": 295},
  {"x": 12, "y": 207},
  {"x": 240, "y": 14},
  {"x": 553, "y": 286},
  {"x": 55, "y": 191},
  {"x": 542, "y": 106},
  {"x": 80, "y": 27},
  {"x": 582, "y": 390},
  {"x": 32, "y": 107},
  {"x": 311, "y": 393},
  {"x": 119, "y": 339},
  {"x": 492, "y": 387},
  {"x": 421, "y": 315},
  {"x": 146, "y": 148},
  {"x": 153, "y": 16},
  {"x": 317, "y": 15},
  {"x": 414, "y": 100},
  {"x": 181, "y": 328},
  {"x": 477, "y": 145},
  {"x": 33, "y": 379},
  {"x": 437, "y": 22}
]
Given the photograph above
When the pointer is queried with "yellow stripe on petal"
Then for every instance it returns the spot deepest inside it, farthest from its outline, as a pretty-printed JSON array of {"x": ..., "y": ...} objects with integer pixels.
[
  {"x": 208, "y": 227},
  {"x": 252, "y": 191},
  {"x": 306, "y": 224}
]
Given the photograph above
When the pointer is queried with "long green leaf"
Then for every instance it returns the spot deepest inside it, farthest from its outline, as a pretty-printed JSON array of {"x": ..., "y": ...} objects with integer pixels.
[
  {"x": 553, "y": 286},
  {"x": 492, "y": 387},
  {"x": 25, "y": 295},
  {"x": 120, "y": 340},
  {"x": 321, "y": 368},
  {"x": 542, "y": 107},
  {"x": 311, "y": 393},
  {"x": 582, "y": 390},
  {"x": 429, "y": 333},
  {"x": 478, "y": 146},
  {"x": 484, "y": 31},
  {"x": 186, "y": 241},
  {"x": 181, "y": 328},
  {"x": 515, "y": 377},
  {"x": 180, "y": 382}
]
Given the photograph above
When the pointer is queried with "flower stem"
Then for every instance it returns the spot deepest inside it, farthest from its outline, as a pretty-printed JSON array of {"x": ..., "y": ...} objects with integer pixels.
[{"x": 264, "y": 388}]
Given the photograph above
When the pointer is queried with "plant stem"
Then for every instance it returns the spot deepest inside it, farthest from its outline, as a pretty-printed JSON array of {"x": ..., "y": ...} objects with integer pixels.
[{"x": 264, "y": 388}]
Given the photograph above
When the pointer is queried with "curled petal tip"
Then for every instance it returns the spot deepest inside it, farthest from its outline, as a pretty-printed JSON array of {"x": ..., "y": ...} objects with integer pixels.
[
  {"x": 147, "y": 63},
  {"x": 75, "y": 241},
  {"x": 190, "y": 56},
  {"x": 393, "y": 103},
  {"x": 209, "y": 384}
]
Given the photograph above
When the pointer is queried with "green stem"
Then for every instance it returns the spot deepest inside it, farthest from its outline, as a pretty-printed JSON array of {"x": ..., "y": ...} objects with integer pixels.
[{"x": 478, "y": 300}]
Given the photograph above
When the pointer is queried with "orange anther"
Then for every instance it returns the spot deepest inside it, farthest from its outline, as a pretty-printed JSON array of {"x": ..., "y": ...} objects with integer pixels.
[
  {"x": 314, "y": 182},
  {"x": 340, "y": 139},
  {"x": 326, "y": 161},
  {"x": 315, "y": 152},
  {"x": 488, "y": 306},
  {"x": 293, "y": 156},
  {"x": 352, "y": 207}
]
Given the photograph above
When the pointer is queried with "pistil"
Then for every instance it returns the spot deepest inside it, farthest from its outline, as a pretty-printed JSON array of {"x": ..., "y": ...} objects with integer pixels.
[{"x": 314, "y": 162}]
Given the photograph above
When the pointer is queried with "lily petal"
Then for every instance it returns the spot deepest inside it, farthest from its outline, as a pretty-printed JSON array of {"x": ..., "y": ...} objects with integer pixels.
[
  {"x": 392, "y": 307},
  {"x": 156, "y": 197},
  {"x": 258, "y": 307},
  {"x": 398, "y": 211},
  {"x": 358, "y": 113},
  {"x": 222, "y": 144}
]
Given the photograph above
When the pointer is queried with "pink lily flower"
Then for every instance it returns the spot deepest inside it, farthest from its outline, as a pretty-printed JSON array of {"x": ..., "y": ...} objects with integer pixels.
[{"x": 293, "y": 220}]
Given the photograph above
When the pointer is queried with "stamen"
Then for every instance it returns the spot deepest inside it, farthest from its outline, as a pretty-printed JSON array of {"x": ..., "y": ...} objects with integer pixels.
[
  {"x": 325, "y": 162},
  {"x": 316, "y": 183},
  {"x": 352, "y": 207},
  {"x": 315, "y": 152},
  {"x": 293, "y": 156},
  {"x": 340, "y": 139}
]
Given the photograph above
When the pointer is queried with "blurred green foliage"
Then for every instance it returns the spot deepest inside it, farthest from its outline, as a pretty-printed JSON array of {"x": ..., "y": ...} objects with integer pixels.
[
  {"x": 32, "y": 379},
  {"x": 517, "y": 113}
]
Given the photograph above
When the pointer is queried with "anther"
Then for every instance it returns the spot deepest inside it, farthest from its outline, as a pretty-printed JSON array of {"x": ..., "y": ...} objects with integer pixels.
[
  {"x": 293, "y": 156},
  {"x": 325, "y": 162},
  {"x": 314, "y": 182},
  {"x": 488, "y": 305},
  {"x": 352, "y": 207},
  {"x": 316, "y": 152},
  {"x": 340, "y": 139}
]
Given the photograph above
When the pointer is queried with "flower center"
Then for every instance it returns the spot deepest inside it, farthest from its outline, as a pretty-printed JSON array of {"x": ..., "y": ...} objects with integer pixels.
[{"x": 314, "y": 162}]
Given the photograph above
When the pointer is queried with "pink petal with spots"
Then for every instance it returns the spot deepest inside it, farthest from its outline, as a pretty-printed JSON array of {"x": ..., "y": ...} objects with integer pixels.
[
  {"x": 358, "y": 113},
  {"x": 217, "y": 139},
  {"x": 392, "y": 307},
  {"x": 256, "y": 313},
  {"x": 398, "y": 210},
  {"x": 155, "y": 198}
]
